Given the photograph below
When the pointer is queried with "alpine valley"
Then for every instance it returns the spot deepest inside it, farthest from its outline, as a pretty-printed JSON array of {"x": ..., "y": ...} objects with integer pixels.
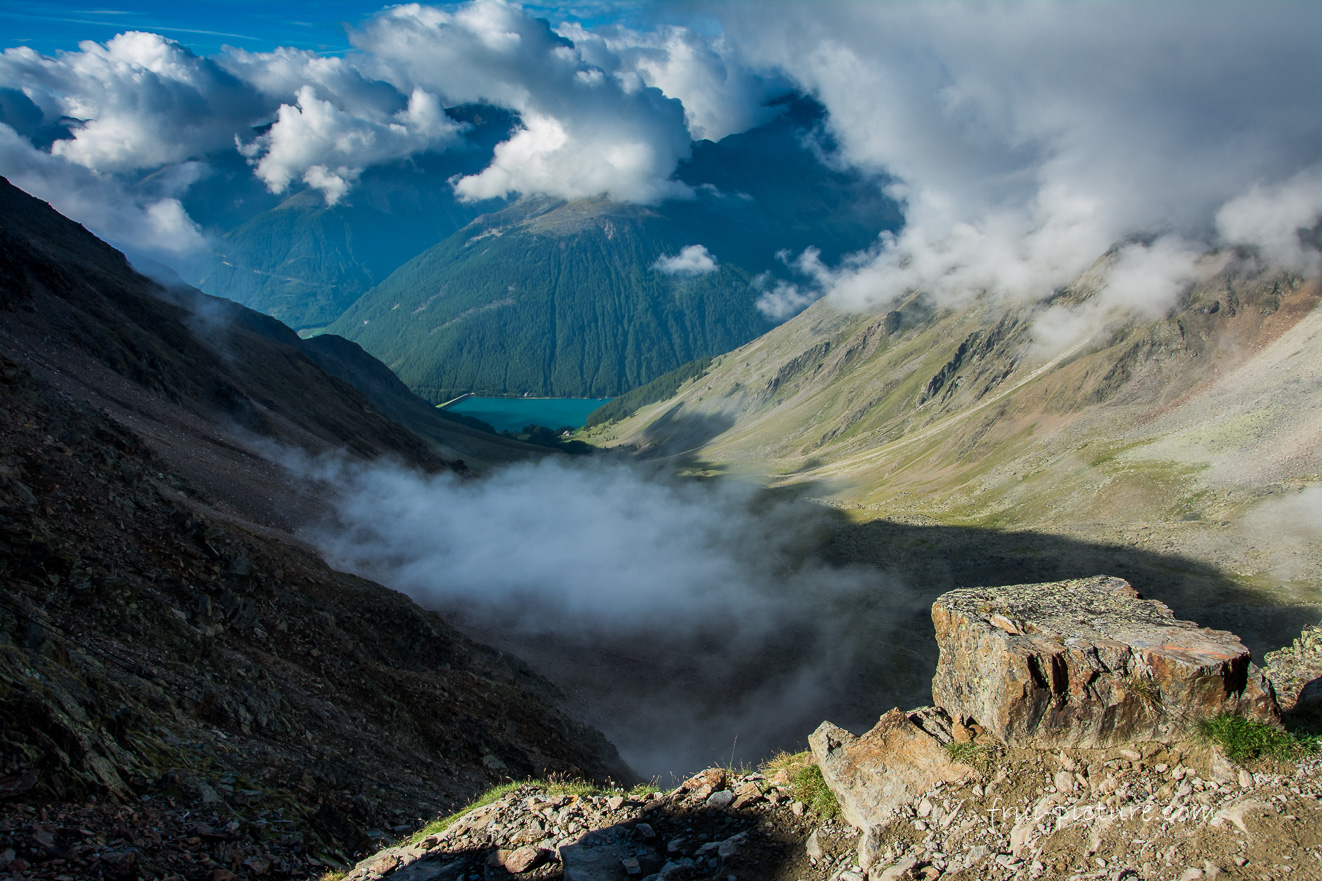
[{"x": 956, "y": 513}]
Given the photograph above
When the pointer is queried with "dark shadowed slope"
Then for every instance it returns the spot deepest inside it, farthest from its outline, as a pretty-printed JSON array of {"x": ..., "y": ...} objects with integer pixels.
[{"x": 164, "y": 640}]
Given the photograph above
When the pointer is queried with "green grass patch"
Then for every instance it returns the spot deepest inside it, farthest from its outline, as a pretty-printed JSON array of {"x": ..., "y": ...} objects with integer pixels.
[
  {"x": 809, "y": 787},
  {"x": 806, "y": 782},
  {"x": 1245, "y": 740},
  {"x": 440, "y": 824},
  {"x": 577, "y": 788},
  {"x": 976, "y": 755}
]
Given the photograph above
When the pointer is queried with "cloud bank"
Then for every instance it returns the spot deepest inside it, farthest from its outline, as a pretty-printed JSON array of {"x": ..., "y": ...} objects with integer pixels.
[
  {"x": 1027, "y": 139},
  {"x": 1024, "y": 140},
  {"x": 609, "y": 113}
]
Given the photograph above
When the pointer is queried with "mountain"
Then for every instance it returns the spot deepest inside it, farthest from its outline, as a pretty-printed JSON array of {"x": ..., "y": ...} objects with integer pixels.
[
  {"x": 566, "y": 298},
  {"x": 303, "y": 261},
  {"x": 166, "y": 638},
  {"x": 961, "y": 453}
]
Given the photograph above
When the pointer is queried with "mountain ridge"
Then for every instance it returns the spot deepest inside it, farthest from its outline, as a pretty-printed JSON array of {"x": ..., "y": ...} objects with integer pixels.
[
  {"x": 167, "y": 639},
  {"x": 1176, "y": 435}
]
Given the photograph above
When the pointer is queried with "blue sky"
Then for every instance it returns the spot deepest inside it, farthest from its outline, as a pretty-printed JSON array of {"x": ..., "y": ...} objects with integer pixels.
[
  {"x": 202, "y": 25},
  {"x": 256, "y": 25}
]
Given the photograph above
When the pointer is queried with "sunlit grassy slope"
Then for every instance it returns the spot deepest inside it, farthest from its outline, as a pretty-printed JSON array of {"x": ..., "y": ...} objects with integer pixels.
[{"x": 1195, "y": 435}]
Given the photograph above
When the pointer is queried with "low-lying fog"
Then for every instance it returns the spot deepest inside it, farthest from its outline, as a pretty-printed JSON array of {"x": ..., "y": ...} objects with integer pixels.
[{"x": 689, "y": 620}]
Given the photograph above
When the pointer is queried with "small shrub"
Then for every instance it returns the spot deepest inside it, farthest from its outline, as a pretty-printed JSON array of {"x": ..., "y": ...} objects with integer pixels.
[{"x": 1244, "y": 740}]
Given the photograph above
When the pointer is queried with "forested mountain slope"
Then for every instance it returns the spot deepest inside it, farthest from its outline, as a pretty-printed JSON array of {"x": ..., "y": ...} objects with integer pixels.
[
  {"x": 569, "y": 298},
  {"x": 303, "y": 261}
]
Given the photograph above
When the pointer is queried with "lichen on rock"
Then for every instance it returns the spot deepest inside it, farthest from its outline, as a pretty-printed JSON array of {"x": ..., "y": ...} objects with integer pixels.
[{"x": 1087, "y": 663}]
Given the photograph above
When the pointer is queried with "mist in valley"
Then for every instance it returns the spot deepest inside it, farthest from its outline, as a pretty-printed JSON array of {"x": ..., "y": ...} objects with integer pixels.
[{"x": 693, "y": 621}]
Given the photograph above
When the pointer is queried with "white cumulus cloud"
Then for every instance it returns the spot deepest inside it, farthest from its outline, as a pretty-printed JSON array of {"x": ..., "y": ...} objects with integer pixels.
[
  {"x": 328, "y": 148},
  {"x": 721, "y": 94},
  {"x": 585, "y": 132},
  {"x": 691, "y": 260},
  {"x": 139, "y": 101},
  {"x": 146, "y": 220}
]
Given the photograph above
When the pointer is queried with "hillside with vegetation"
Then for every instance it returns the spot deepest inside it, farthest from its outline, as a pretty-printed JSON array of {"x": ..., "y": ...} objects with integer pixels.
[
  {"x": 303, "y": 261},
  {"x": 567, "y": 299}
]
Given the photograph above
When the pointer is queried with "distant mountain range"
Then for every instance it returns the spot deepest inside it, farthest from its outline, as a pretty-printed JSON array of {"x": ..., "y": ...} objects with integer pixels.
[
  {"x": 303, "y": 261},
  {"x": 539, "y": 295}
]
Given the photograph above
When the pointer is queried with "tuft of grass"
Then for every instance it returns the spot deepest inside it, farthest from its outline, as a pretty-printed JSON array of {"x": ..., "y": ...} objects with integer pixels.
[
  {"x": 440, "y": 824},
  {"x": 1145, "y": 689},
  {"x": 554, "y": 786},
  {"x": 790, "y": 763},
  {"x": 809, "y": 787},
  {"x": 334, "y": 875},
  {"x": 806, "y": 782},
  {"x": 1243, "y": 740},
  {"x": 970, "y": 753}
]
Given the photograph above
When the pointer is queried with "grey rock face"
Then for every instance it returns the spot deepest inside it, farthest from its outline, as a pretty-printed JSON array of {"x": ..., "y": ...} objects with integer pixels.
[{"x": 1087, "y": 663}]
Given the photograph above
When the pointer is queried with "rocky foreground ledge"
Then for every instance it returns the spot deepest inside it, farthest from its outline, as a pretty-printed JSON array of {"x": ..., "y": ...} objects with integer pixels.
[{"x": 1065, "y": 748}]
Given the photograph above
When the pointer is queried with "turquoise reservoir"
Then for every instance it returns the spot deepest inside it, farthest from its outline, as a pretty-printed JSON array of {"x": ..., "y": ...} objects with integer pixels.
[{"x": 512, "y": 414}]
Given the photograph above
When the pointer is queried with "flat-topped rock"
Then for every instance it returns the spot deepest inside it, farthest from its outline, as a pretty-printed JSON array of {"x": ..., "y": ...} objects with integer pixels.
[{"x": 1086, "y": 663}]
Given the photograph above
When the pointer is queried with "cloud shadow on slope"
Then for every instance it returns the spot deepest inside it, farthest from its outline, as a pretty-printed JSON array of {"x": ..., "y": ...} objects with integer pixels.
[
  {"x": 679, "y": 435},
  {"x": 935, "y": 558}
]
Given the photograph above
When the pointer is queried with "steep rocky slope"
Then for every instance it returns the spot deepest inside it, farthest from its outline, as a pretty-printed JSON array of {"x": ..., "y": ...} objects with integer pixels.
[
  {"x": 1114, "y": 784},
  {"x": 166, "y": 641},
  {"x": 946, "y": 435}
]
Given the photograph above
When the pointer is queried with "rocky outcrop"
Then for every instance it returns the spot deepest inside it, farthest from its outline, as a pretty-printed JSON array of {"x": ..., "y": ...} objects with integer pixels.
[
  {"x": 1296, "y": 672},
  {"x": 928, "y": 795},
  {"x": 1086, "y": 663},
  {"x": 873, "y": 775}
]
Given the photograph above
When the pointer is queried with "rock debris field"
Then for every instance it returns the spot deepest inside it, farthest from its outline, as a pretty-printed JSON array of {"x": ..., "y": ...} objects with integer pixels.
[{"x": 1150, "y": 811}]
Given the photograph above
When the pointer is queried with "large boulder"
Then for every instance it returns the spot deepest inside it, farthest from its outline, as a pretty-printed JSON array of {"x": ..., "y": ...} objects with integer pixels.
[
  {"x": 1086, "y": 663},
  {"x": 890, "y": 766}
]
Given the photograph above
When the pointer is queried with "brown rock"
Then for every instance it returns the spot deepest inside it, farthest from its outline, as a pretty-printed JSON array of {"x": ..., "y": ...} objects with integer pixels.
[
  {"x": 746, "y": 794},
  {"x": 523, "y": 859},
  {"x": 257, "y": 866},
  {"x": 1087, "y": 663},
  {"x": 386, "y": 864},
  {"x": 702, "y": 785},
  {"x": 889, "y": 766}
]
